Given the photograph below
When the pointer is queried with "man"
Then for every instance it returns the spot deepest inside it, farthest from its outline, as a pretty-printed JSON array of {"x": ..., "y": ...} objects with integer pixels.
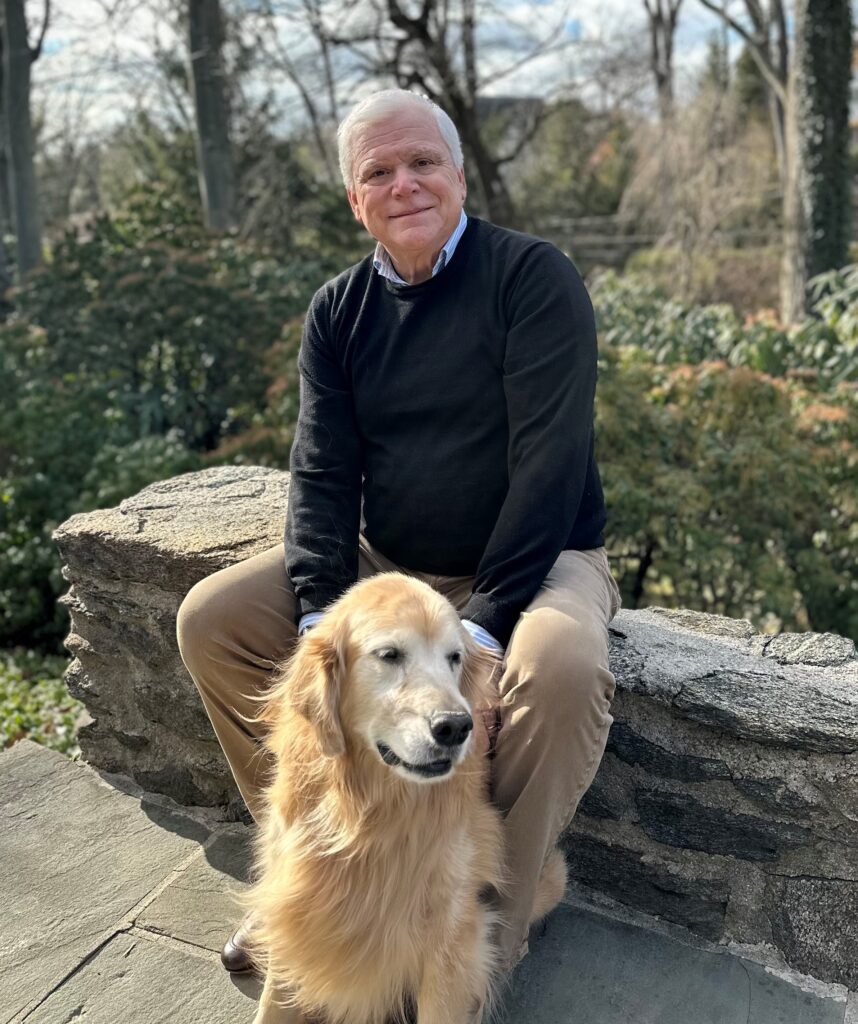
[{"x": 446, "y": 430}]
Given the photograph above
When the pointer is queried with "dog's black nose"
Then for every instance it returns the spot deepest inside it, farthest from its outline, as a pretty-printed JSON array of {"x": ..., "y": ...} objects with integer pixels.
[{"x": 450, "y": 728}]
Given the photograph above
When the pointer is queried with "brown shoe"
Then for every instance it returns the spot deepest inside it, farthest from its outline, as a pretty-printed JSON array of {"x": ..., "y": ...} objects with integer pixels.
[{"x": 235, "y": 955}]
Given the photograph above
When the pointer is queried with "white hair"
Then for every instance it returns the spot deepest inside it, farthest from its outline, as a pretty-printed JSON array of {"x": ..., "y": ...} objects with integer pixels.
[{"x": 380, "y": 105}]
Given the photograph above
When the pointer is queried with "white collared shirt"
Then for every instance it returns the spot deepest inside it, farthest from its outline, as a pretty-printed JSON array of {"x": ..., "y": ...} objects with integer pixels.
[{"x": 384, "y": 265}]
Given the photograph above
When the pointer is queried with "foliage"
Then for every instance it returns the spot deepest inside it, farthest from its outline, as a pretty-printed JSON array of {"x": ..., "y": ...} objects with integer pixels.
[
  {"x": 577, "y": 165},
  {"x": 634, "y": 311},
  {"x": 133, "y": 355},
  {"x": 734, "y": 496},
  {"x": 145, "y": 152},
  {"x": 34, "y": 702},
  {"x": 749, "y": 87}
]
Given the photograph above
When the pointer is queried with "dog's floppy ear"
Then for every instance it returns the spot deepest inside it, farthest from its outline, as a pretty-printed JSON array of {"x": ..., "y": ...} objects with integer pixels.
[{"x": 311, "y": 685}]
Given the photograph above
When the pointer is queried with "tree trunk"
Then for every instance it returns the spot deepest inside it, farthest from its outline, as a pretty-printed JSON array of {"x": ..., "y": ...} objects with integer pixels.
[
  {"x": 662, "y": 16},
  {"x": 491, "y": 188},
  {"x": 6, "y": 215},
  {"x": 823, "y": 61},
  {"x": 457, "y": 95},
  {"x": 793, "y": 283},
  {"x": 18, "y": 59},
  {"x": 214, "y": 155},
  {"x": 6, "y": 279},
  {"x": 816, "y": 196}
]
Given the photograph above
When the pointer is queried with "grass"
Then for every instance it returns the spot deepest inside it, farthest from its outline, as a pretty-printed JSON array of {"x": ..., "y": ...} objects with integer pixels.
[{"x": 34, "y": 702}]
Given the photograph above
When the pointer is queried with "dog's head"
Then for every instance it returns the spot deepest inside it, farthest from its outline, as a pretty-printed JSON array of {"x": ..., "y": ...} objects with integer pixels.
[{"x": 391, "y": 669}]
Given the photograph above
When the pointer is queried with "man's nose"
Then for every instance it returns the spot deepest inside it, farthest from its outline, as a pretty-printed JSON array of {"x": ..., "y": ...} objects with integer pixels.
[{"x": 404, "y": 181}]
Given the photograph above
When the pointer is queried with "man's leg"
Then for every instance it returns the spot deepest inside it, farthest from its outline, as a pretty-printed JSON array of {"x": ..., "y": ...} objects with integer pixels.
[
  {"x": 555, "y": 689},
  {"x": 233, "y": 628}
]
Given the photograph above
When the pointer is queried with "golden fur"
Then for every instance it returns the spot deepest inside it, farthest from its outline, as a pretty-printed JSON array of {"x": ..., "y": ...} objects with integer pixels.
[{"x": 371, "y": 879}]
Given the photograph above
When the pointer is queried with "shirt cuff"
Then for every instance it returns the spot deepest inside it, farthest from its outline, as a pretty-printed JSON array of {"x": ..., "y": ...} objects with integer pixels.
[
  {"x": 308, "y": 621},
  {"x": 483, "y": 637}
]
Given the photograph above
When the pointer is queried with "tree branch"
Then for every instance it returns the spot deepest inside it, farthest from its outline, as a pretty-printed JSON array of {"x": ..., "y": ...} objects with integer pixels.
[
  {"x": 36, "y": 51},
  {"x": 761, "y": 56},
  {"x": 526, "y": 137}
]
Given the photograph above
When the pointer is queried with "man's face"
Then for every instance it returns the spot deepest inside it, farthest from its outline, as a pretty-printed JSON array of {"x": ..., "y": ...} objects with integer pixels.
[{"x": 407, "y": 192}]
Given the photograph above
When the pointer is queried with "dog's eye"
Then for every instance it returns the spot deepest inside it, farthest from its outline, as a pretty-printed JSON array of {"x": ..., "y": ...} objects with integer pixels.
[
  {"x": 455, "y": 658},
  {"x": 389, "y": 654}
]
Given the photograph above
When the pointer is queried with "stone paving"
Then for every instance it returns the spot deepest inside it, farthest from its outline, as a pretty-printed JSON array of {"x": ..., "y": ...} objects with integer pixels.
[{"x": 114, "y": 905}]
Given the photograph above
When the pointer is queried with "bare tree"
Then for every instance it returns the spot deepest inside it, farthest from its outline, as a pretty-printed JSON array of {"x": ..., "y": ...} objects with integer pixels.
[
  {"x": 797, "y": 113},
  {"x": 214, "y": 154},
  {"x": 662, "y": 16},
  {"x": 432, "y": 45},
  {"x": 320, "y": 105},
  {"x": 18, "y": 58}
]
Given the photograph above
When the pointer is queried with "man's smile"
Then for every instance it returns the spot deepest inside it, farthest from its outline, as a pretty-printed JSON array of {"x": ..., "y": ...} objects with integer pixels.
[{"x": 409, "y": 213}]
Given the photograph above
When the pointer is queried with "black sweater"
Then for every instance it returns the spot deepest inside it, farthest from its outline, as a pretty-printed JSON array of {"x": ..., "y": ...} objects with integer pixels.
[{"x": 461, "y": 411}]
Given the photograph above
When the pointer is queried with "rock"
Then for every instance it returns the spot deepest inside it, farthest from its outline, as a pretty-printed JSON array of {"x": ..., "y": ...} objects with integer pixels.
[
  {"x": 815, "y": 923},
  {"x": 130, "y": 568},
  {"x": 679, "y": 820},
  {"x": 651, "y": 886},
  {"x": 727, "y": 800}
]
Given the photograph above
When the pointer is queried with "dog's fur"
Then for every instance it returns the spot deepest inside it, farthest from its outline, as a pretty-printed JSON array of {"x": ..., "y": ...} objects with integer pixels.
[{"x": 371, "y": 877}]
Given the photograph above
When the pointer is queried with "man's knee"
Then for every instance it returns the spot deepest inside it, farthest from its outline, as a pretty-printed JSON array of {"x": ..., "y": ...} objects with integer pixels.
[
  {"x": 563, "y": 661},
  {"x": 202, "y": 618}
]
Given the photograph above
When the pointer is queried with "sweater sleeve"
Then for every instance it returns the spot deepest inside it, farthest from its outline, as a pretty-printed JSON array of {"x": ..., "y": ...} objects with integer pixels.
[
  {"x": 323, "y": 514},
  {"x": 549, "y": 383}
]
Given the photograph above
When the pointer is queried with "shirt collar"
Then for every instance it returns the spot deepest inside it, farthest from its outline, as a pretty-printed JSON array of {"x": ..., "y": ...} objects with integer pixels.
[{"x": 384, "y": 265}]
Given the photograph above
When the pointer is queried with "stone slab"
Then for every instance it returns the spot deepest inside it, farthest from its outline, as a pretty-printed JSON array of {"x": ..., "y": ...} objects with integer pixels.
[
  {"x": 78, "y": 856},
  {"x": 133, "y": 980},
  {"x": 113, "y": 909},
  {"x": 590, "y": 969},
  {"x": 198, "y": 906}
]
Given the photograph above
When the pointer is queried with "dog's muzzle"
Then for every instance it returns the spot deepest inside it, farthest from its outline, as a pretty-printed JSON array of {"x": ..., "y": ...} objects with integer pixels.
[
  {"x": 430, "y": 769},
  {"x": 449, "y": 731}
]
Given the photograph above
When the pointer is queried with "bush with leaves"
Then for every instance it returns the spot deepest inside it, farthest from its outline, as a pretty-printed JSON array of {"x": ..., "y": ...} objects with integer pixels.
[
  {"x": 633, "y": 310},
  {"x": 133, "y": 355},
  {"x": 730, "y": 491},
  {"x": 35, "y": 704}
]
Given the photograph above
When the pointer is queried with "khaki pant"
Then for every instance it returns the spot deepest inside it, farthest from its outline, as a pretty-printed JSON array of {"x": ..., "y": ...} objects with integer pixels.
[{"x": 555, "y": 690}]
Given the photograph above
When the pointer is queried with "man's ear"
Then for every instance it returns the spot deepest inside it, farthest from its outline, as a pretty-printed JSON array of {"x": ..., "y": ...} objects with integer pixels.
[
  {"x": 460, "y": 174},
  {"x": 353, "y": 203},
  {"x": 312, "y": 685}
]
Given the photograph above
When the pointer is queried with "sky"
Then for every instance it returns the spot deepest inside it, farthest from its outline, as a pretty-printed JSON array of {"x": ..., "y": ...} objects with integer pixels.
[{"x": 95, "y": 69}]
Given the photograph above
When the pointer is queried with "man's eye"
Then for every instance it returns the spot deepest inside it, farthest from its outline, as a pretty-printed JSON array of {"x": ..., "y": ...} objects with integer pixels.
[{"x": 389, "y": 654}]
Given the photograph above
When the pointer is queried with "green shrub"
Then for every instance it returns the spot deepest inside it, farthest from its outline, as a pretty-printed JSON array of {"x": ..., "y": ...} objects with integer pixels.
[
  {"x": 135, "y": 354},
  {"x": 34, "y": 702},
  {"x": 730, "y": 491},
  {"x": 634, "y": 310}
]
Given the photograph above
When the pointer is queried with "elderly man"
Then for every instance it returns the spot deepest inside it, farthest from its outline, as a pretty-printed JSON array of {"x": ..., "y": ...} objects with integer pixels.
[{"x": 445, "y": 430}]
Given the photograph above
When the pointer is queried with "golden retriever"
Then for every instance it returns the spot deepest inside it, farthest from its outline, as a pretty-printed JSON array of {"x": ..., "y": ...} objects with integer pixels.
[{"x": 379, "y": 843}]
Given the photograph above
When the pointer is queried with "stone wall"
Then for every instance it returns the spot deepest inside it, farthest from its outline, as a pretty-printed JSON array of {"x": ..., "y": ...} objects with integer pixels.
[
  {"x": 727, "y": 801},
  {"x": 129, "y": 569}
]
